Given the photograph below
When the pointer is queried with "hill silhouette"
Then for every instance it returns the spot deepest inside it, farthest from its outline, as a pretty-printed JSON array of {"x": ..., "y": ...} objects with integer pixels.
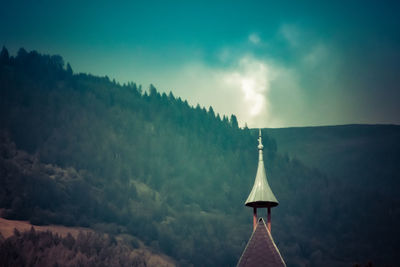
[{"x": 82, "y": 150}]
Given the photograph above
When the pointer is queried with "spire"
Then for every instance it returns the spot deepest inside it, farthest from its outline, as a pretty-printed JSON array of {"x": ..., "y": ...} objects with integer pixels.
[
  {"x": 261, "y": 195},
  {"x": 261, "y": 249}
]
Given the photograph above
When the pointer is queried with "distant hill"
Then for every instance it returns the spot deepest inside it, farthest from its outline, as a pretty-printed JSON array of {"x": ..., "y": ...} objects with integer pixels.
[
  {"x": 362, "y": 163},
  {"x": 342, "y": 150},
  {"x": 81, "y": 150}
]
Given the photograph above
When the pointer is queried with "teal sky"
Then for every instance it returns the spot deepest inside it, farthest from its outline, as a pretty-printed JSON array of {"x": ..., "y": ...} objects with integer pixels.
[{"x": 273, "y": 64}]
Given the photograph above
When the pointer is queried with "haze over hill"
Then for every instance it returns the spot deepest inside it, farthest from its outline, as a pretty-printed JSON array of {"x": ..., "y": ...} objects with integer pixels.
[
  {"x": 271, "y": 63},
  {"x": 81, "y": 150}
]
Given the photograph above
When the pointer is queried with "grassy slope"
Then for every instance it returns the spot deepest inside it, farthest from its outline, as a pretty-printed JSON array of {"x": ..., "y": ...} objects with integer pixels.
[
  {"x": 7, "y": 228},
  {"x": 151, "y": 257}
]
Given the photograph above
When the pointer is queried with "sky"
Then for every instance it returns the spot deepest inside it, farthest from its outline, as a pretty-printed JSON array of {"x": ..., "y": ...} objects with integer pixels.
[{"x": 271, "y": 63}]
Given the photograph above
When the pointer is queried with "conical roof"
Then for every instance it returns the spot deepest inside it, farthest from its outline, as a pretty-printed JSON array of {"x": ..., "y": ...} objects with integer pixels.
[
  {"x": 261, "y": 249},
  {"x": 261, "y": 195}
]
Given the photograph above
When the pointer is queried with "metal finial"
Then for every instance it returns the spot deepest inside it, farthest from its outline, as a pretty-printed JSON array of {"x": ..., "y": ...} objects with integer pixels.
[{"x": 260, "y": 145}]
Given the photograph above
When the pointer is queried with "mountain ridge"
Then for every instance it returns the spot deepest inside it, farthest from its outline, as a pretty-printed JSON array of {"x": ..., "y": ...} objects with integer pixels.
[{"x": 133, "y": 164}]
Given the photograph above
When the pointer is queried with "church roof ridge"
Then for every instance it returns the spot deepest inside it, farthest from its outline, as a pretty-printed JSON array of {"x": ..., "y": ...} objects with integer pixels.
[{"x": 261, "y": 251}]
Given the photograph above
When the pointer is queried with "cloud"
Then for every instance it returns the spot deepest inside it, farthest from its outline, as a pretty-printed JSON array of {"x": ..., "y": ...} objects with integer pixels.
[
  {"x": 244, "y": 89},
  {"x": 260, "y": 88},
  {"x": 254, "y": 38},
  {"x": 251, "y": 80},
  {"x": 315, "y": 55},
  {"x": 291, "y": 34}
]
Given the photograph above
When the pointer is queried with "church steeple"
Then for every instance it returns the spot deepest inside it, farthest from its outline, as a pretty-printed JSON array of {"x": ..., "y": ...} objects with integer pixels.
[
  {"x": 261, "y": 249},
  {"x": 261, "y": 195}
]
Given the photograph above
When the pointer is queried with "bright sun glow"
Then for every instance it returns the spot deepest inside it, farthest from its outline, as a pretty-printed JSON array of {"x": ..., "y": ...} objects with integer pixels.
[
  {"x": 251, "y": 96},
  {"x": 252, "y": 77}
]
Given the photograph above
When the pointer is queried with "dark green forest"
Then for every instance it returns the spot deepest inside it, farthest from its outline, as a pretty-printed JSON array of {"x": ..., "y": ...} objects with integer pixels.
[{"x": 82, "y": 150}]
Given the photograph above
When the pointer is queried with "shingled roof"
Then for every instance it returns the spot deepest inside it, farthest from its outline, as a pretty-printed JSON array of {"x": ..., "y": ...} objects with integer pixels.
[{"x": 261, "y": 249}]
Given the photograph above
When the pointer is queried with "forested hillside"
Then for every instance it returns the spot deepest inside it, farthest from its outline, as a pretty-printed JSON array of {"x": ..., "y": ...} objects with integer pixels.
[
  {"x": 339, "y": 150},
  {"x": 77, "y": 149},
  {"x": 33, "y": 248}
]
